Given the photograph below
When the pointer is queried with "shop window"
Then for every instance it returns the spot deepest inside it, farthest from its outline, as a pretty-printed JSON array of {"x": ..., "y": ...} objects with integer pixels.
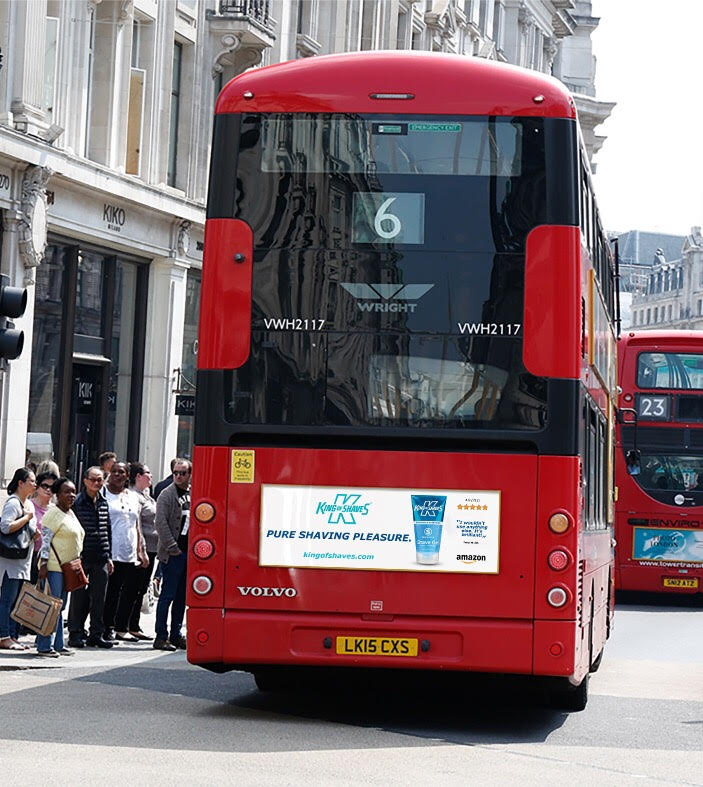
[
  {"x": 120, "y": 374},
  {"x": 89, "y": 296},
  {"x": 188, "y": 359},
  {"x": 46, "y": 353}
]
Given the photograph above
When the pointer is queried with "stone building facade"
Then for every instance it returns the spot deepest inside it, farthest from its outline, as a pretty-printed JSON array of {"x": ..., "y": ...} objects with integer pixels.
[
  {"x": 672, "y": 293},
  {"x": 105, "y": 126}
]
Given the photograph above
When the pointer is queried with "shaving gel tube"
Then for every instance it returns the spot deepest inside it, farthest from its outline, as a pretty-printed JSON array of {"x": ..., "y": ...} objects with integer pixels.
[{"x": 428, "y": 515}]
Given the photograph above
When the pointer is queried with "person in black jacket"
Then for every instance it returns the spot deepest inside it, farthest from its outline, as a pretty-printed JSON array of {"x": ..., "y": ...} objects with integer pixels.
[
  {"x": 92, "y": 511},
  {"x": 159, "y": 488}
]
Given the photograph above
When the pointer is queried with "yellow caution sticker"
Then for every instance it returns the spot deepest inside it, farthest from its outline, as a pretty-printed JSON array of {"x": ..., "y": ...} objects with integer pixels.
[{"x": 242, "y": 467}]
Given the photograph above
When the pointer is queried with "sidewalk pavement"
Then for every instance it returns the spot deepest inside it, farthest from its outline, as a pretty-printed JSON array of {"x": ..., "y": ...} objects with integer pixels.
[{"x": 121, "y": 655}]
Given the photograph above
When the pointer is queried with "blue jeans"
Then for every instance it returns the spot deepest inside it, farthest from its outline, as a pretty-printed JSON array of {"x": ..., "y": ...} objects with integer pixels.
[
  {"x": 54, "y": 641},
  {"x": 173, "y": 594},
  {"x": 9, "y": 590}
]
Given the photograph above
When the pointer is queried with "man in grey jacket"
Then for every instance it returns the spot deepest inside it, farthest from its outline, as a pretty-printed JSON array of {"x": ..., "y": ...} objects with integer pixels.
[{"x": 172, "y": 524}]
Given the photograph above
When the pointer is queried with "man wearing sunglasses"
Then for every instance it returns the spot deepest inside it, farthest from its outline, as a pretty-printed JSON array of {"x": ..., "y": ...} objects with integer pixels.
[
  {"x": 93, "y": 513},
  {"x": 172, "y": 524}
]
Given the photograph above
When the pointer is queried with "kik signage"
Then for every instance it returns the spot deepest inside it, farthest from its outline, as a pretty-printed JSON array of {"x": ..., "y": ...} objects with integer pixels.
[
  {"x": 114, "y": 217},
  {"x": 185, "y": 404}
]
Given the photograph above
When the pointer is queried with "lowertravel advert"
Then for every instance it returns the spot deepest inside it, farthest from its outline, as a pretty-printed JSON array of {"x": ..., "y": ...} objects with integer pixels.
[{"x": 380, "y": 529}]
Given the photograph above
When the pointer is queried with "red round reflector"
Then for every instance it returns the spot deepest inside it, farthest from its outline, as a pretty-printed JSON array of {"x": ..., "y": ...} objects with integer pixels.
[
  {"x": 202, "y": 637},
  {"x": 202, "y": 585},
  {"x": 203, "y": 548},
  {"x": 556, "y": 649},
  {"x": 558, "y": 560},
  {"x": 557, "y": 597}
]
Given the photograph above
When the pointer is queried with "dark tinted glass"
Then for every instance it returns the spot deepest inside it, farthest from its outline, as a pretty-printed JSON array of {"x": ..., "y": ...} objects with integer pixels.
[
  {"x": 389, "y": 269},
  {"x": 325, "y": 181},
  {"x": 690, "y": 408}
]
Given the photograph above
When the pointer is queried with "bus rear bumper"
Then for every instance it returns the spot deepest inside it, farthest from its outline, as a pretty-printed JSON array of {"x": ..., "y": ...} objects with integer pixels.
[
  {"x": 245, "y": 639},
  {"x": 660, "y": 579}
]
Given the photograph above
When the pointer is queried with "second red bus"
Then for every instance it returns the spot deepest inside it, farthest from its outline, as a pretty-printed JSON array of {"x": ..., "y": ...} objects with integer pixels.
[{"x": 659, "y": 512}]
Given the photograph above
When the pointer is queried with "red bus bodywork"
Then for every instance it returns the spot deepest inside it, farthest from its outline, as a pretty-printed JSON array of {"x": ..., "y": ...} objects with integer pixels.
[
  {"x": 253, "y": 616},
  {"x": 677, "y": 514}
]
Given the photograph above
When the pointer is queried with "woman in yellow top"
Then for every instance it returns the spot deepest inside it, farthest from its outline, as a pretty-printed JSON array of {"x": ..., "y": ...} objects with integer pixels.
[{"x": 62, "y": 531}]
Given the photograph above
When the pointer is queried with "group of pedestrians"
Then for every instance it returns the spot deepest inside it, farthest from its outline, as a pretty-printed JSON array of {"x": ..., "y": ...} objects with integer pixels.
[{"x": 118, "y": 529}]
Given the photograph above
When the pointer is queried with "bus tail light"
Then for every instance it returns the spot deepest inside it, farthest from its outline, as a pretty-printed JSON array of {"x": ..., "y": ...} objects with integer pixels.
[
  {"x": 558, "y": 559},
  {"x": 557, "y": 597},
  {"x": 558, "y": 523},
  {"x": 204, "y": 513},
  {"x": 202, "y": 585},
  {"x": 203, "y": 548}
]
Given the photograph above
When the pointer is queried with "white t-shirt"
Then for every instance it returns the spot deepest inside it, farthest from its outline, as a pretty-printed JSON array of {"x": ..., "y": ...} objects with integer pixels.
[{"x": 124, "y": 514}]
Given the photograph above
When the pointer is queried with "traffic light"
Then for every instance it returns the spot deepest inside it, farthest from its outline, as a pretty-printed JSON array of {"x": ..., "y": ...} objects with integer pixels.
[{"x": 13, "y": 302}]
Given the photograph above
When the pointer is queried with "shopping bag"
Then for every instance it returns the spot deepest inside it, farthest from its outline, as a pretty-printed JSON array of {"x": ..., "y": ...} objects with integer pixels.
[{"x": 37, "y": 609}]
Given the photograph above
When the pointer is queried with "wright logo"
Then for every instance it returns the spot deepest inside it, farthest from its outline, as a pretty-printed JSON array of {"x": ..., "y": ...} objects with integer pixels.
[{"x": 387, "y": 297}]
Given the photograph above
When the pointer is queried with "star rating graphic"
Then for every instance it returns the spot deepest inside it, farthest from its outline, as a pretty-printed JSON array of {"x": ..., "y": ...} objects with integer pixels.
[{"x": 472, "y": 507}]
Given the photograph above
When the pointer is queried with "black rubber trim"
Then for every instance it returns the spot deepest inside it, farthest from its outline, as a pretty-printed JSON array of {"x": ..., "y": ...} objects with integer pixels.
[
  {"x": 223, "y": 166},
  {"x": 560, "y": 437},
  {"x": 561, "y": 156}
]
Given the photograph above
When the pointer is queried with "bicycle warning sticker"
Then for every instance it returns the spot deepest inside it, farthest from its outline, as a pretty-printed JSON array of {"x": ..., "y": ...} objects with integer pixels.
[{"x": 242, "y": 467}]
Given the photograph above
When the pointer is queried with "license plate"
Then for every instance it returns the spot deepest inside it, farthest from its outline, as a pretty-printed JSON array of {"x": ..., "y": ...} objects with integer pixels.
[
  {"x": 680, "y": 582},
  {"x": 376, "y": 646}
]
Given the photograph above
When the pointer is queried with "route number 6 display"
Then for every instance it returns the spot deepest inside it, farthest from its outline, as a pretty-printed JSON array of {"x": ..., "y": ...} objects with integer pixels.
[{"x": 389, "y": 217}]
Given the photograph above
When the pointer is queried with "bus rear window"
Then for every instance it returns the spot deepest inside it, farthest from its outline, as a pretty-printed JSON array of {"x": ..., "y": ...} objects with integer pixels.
[
  {"x": 470, "y": 146},
  {"x": 670, "y": 370}
]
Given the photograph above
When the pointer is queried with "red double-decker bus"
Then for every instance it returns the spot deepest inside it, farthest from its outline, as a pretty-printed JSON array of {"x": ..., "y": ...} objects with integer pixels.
[
  {"x": 659, "y": 511},
  {"x": 404, "y": 412}
]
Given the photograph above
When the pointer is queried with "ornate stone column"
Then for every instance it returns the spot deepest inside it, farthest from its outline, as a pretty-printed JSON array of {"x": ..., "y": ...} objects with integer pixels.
[{"x": 32, "y": 220}]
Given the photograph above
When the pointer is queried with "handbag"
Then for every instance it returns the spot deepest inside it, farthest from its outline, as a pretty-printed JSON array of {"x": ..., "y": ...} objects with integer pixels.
[
  {"x": 12, "y": 544},
  {"x": 37, "y": 609},
  {"x": 15, "y": 546},
  {"x": 74, "y": 577}
]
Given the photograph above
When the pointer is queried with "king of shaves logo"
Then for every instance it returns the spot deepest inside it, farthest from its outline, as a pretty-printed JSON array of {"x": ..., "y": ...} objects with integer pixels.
[{"x": 345, "y": 508}]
